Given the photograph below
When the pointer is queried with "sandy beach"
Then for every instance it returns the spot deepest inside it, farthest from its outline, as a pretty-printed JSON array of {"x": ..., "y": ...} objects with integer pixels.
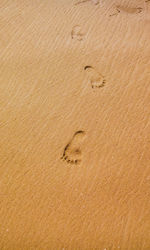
[{"x": 74, "y": 125}]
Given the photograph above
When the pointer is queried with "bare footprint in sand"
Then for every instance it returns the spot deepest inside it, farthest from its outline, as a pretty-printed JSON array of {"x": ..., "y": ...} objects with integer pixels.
[
  {"x": 95, "y": 2},
  {"x": 77, "y": 33},
  {"x": 73, "y": 151},
  {"x": 128, "y": 10},
  {"x": 95, "y": 78}
]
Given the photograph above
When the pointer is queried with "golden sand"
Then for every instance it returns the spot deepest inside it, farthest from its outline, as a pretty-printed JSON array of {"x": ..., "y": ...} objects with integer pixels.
[{"x": 74, "y": 125}]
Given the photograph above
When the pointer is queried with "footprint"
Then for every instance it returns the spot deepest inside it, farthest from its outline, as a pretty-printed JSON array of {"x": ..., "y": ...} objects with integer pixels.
[
  {"x": 73, "y": 151},
  {"x": 130, "y": 10},
  {"x": 76, "y": 33},
  {"x": 95, "y": 2},
  {"x": 127, "y": 10},
  {"x": 95, "y": 78},
  {"x": 115, "y": 13}
]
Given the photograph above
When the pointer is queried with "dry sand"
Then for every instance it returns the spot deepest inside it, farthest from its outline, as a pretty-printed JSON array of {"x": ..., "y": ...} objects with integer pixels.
[{"x": 74, "y": 125}]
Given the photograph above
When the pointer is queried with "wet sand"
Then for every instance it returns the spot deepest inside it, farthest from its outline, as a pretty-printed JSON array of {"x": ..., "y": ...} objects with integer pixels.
[{"x": 74, "y": 125}]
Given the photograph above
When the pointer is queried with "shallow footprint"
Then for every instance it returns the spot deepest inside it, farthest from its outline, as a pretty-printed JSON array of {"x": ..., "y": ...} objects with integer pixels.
[
  {"x": 95, "y": 78},
  {"x": 77, "y": 34},
  {"x": 128, "y": 10},
  {"x": 73, "y": 151}
]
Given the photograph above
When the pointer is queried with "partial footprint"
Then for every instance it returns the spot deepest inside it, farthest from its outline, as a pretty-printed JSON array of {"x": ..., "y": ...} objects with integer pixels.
[
  {"x": 128, "y": 10},
  {"x": 95, "y": 78},
  {"x": 117, "y": 11},
  {"x": 95, "y": 2},
  {"x": 73, "y": 151},
  {"x": 77, "y": 33}
]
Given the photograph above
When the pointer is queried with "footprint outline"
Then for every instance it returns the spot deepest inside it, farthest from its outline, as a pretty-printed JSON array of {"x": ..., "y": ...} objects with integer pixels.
[
  {"x": 77, "y": 33},
  {"x": 128, "y": 10},
  {"x": 97, "y": 80},
  {"x": 72, "y": 153}
]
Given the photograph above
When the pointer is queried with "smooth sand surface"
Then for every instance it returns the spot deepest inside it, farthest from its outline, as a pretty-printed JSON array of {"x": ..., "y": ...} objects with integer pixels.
[{"x": 74, "y": 125}]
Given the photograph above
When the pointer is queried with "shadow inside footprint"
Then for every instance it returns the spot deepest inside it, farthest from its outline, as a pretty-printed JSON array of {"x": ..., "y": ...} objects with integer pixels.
[
  {"x": 95, "y": 78},
  {"x": 73, "y": 151}
]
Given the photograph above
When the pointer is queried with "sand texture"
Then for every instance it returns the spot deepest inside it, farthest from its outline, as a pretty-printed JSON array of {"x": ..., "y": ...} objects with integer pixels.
[{"x": 74, "y": 125}]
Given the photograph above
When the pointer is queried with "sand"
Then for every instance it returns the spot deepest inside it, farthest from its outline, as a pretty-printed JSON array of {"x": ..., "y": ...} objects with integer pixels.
[{"x": 74, "y": 125}]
